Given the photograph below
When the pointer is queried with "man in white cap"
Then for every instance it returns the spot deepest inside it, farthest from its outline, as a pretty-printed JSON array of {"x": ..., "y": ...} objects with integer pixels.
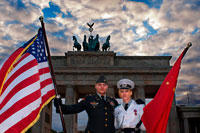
[{"x": 128, "y": 114}]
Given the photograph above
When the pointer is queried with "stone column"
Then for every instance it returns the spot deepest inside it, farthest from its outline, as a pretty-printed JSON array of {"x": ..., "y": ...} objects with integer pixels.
[
  {"x": 70, "y": 120},
  {"x": 186, "y": 125},
  {"x": 139, "y": 93},
  {"x": 173, "y": 122},
  {"x": 43, "y": 125},
  {"x": 111, "y": 92},
  {"x": 37, "y": 128}
]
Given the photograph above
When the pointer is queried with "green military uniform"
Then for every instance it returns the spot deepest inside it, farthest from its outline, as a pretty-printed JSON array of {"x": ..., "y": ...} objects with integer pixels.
[{"x": 100, "y": 113}]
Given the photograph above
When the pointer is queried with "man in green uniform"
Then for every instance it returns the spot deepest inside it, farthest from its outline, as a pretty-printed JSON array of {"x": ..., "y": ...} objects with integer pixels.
[{"x": 99, "y": 107}]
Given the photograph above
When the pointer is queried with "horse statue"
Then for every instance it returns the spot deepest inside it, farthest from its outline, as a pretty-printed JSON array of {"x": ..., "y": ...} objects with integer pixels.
[
  {"x": 85, "y": 44},
  {"x": 96, "y": 43},
  {"x": 76, "y": 44},
  {"x": 106, "y": 45}
]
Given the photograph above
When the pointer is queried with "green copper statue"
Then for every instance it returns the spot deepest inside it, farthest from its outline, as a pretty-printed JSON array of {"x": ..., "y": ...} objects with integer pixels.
[
  {"x": 93, "y": 43},
  {"x": 85, "y": 44},
  {"x": 106, "y": 45},
  {"x": 76, "y": 44}
]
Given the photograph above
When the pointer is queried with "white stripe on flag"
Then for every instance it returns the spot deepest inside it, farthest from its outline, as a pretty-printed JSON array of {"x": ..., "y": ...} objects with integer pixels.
[
  {"x": 15, "y": 118},
  {"x": 43, "y": 65},
  {"x": 46, "y": 89},
  {"x": 45, "y": 76},
  {"x": 17, "y": 80},
  {"x": 22, "y": 63},
  {"x": 20, "y": 95}
]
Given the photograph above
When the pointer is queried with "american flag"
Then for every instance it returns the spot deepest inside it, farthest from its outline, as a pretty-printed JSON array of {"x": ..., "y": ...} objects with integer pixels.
[{"x": 25, "y": 86}]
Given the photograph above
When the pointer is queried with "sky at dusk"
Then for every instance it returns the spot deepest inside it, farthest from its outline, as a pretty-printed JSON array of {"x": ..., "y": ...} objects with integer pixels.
[{"x": 137, "y": 28}]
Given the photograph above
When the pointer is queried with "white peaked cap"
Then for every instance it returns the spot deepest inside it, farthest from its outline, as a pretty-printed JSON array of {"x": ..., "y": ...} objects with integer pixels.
[{"x": 125, "y": 84}]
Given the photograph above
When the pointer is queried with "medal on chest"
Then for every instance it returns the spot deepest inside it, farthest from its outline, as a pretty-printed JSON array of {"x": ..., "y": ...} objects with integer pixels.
[
  {"x": 94, "y": 104},
  {"x": 135, "y": 111},
  {"x": 112, "y": 103}
]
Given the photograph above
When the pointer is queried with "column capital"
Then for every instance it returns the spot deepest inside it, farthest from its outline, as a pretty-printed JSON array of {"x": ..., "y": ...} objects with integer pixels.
[
  {"x": 110, "y": 92},
  {"x": 140, "y": 86},
  {"x": 69, "y": 86}
]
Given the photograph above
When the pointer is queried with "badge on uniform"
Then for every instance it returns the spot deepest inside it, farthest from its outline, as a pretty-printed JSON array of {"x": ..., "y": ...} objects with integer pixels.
[
  {"x": 135, "y": 111},
  {"x": 112, "y": 103},
  {"x": 94, "y": 104}
]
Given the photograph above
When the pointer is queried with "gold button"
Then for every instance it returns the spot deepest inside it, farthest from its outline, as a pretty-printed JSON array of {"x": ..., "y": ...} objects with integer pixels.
[
  {"x": 105, "y": 108},
  {"x": 106, "y": 113},
  {"x": 106, "y": 119},
  {"x": 106, "y": 125}
]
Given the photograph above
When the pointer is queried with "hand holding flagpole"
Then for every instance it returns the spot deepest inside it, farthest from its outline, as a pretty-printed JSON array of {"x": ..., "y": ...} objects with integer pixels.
[{"x": 52, "y": 71}]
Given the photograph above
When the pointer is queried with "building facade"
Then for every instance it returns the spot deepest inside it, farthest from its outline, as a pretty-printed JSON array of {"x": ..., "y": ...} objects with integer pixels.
[
  {"x": 189, "y": 118},
  {"x": 77, "y": 71}
]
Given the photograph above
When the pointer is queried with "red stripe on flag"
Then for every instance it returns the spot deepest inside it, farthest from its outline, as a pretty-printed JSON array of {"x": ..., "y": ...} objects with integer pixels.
[
  {"x": 28, "y": 81},
  {"x": 44, "y": 70},
  {"x": 21, "y": 59},
  {"x": 7, "y": 64},
  {"x": 18, "y": 72},
  {"x": 20, "y": 104},
  {"x": 27, "y": 120},
  {"x": 19, "y": 127},
  {"x": 46, "y": 96},
  {"x": 30, "y": 118},
  {"x": 46, "y": 82}
]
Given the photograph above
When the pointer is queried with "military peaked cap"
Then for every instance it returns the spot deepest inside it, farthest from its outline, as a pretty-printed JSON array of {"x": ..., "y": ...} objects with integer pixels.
[
  {"x": 101, "y": 79},
  {"x": 125, "y": 84}
]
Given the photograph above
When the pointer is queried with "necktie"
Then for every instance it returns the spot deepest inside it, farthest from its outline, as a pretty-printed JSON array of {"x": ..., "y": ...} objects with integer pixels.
[
  {"x": 126, "y": 106},
  {"x": 102, "y": 97}
]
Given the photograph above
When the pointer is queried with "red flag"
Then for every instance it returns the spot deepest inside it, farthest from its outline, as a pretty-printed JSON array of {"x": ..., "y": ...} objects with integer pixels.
[
  {"x": 156, "y": 113},
  {"x": 25, "y": 86}
]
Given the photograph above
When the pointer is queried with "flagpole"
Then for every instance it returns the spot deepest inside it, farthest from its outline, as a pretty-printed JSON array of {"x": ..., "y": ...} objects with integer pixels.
[
  {"x": 187, "y": 47},
  {"x": 52, "y": 71}
]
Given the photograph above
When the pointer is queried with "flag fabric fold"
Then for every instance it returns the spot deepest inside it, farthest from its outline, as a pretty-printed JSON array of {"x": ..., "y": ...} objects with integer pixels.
[
  {"x": 156, "y": 113},
  {"x": 26, "y": 86}
]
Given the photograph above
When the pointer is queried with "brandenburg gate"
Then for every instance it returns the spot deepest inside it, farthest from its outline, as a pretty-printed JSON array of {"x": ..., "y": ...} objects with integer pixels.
[{"x": 77, "y": 71}]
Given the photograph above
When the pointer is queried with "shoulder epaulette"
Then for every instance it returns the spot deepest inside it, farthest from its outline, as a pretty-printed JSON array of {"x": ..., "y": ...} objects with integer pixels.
[
  {"x": 139, "y": 101},
  {"x": 111, "y": 98},
  {"x": 117, "y": 106},
  {"x": 89, "y": 96}
]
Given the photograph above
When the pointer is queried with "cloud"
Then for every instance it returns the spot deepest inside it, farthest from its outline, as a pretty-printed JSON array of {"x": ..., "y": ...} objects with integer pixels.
[
  {"x": 40, "y": 3},
  {"x": 178, "y": 15},
  {"x": 11, "y": 11},
  {"x": 136, "y": 28}
]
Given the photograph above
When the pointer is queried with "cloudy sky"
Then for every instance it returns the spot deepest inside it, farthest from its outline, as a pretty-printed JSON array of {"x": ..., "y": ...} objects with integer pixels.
[{"x": 137, "y": 28}]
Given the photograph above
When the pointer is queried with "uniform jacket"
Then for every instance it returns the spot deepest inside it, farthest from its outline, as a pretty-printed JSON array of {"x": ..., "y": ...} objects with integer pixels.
[
  {"x": 130, "y": 117},
  {"x": 100, "y": 113}
]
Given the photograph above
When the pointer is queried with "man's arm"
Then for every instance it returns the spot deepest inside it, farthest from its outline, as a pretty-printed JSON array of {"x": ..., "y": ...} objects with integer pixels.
[
  {"x": 140, "y": 124},
  {"x": 70, "y": 109}
]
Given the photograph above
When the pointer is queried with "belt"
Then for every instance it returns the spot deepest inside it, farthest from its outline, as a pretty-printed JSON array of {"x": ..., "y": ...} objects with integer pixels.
[{"x": 128, "y": 130}]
